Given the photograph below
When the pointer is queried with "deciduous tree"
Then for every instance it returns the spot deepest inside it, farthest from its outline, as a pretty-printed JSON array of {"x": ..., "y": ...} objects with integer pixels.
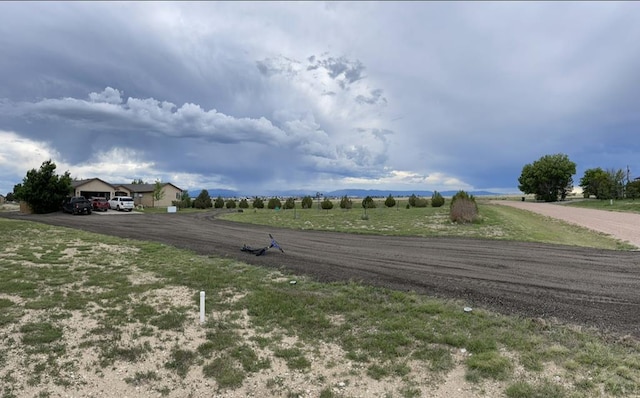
[
  {"x": 158, "y": 192},
  {"x": 550, "y": 178}
]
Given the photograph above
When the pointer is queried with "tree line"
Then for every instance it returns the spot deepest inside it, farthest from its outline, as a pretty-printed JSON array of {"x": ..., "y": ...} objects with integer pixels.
[{"x": 550, "y": 179}]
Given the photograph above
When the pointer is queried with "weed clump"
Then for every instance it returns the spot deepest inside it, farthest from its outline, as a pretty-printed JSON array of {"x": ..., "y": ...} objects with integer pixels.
[{"x": 464, "y": 208}]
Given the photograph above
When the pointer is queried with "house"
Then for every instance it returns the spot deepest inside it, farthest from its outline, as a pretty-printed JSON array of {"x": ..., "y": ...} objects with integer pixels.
[
  {"x": 92, "y": 187},
  {"x": 2, "y": 199},
  {"x": 142, "y": 194}
]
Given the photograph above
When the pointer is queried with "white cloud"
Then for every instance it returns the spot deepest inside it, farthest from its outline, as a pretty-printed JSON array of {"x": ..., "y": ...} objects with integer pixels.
[
  {"x": 456, "y": 93},
  {"x": 19, "y": 154},
  {"x": 408, "y": 180}
]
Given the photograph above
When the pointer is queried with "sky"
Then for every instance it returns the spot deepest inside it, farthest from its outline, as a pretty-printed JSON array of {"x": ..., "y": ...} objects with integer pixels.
[{"x": 264, "y": 96}]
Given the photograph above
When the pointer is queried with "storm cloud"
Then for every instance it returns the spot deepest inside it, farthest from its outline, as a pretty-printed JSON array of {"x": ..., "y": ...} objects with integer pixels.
[{"x": 319, "y": 96}]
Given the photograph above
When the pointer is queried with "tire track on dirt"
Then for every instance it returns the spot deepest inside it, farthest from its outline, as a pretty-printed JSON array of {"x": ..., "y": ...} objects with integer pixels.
[{"x": 589, "y": 287}]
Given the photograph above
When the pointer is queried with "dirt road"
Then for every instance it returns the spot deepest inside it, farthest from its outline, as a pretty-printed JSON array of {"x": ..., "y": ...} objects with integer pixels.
[{"x": 589, "y": 287}]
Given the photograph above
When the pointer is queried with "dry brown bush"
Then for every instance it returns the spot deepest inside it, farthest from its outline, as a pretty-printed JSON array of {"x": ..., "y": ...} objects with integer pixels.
[{"x": 463, "y": 210}]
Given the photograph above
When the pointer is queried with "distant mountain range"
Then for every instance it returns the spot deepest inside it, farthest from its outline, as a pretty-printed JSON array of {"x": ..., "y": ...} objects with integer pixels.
[{"x": 352, "y": 193}]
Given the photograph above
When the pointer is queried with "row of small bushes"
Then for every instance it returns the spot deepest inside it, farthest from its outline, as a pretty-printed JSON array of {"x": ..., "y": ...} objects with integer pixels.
[{"x": 463, "y": 207}]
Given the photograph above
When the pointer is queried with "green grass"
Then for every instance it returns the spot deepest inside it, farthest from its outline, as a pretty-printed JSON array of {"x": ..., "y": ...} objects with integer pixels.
[
  {"x": 623, "y": 205},
  {"x": 261, "y": 319},
  {"x": 496, "y": 222}
]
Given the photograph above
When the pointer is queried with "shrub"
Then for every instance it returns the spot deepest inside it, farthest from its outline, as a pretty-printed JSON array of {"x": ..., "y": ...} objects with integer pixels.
[
  {"x": 274, "y": 203},
  {"x": 244, "y": 204},
  {"x": 412, "y": 200},
  {"x": 368, "y": 203},
  {"x": 390, "y": 201},
  {"x": 421, "y": 202},
  {"x": 463, "y": 208},
  {"x": 307, "y": 202},
  {"x": 326, "y": 204},
  {"x": 203, "y": 201},
  {"x": 346, "y": 203},
  {"x": 258, "y": 203},
  {"x": 184, "y": 202},
  {"x": 437, "y": 200},
  {"x": 231, "y": 204},
  {"x": 219, "y": 203},
  {"x": 290, "y": 203}
]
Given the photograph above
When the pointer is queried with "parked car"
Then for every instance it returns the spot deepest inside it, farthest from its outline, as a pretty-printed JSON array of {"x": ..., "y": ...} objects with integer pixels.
[
  {"x": 121, "y": 203},
  {"x": 76, "y": 205},
  {"x": 99, "y": 204}
]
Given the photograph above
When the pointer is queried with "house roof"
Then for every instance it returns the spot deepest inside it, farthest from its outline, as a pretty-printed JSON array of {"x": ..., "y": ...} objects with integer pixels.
[
  {"x": 79, "y": 183},
  {"x": 143, "y": 187},
  {"x": 129, "y": 187}
]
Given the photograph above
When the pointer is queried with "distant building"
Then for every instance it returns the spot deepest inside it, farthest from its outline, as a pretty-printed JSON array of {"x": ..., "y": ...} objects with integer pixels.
[{"x": 142, "y": 194}]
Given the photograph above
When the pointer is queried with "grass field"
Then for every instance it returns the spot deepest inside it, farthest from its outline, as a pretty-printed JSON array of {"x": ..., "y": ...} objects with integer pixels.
[
  {"x": 496, "y": 222},
  {"x": 74, "y": 303},
  {"x": 624, "y": 205}
]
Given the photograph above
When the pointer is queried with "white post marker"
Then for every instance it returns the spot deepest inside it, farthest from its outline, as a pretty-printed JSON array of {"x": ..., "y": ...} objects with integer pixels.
[{"x": 202, "y": 306}]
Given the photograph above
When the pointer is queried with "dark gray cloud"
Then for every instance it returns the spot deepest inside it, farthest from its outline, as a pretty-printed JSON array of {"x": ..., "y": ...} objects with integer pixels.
[{"x": 315, "y": 95}]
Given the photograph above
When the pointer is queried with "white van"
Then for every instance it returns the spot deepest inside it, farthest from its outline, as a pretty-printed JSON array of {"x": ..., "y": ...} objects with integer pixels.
[{"x": 121, "y": 203}]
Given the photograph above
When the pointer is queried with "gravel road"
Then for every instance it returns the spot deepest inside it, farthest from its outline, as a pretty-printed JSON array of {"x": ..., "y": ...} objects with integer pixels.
[
  {"x": 586, "y": 287},
  {"x": 624, "y": 226}
]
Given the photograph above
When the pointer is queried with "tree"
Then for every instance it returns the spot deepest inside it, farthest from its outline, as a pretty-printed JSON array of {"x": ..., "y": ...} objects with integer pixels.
[
  {"x": 230, "y": 204},
  {"x": 9, "y": 197},
  {"x": 244, "y": 204},
  {"x": 307, "y": 202},
  {"x": 368, "y": 203},
  {"x": 43, "y": 190},
  {"x": 290, "y": 203},
  {"x": 616, "y": 183},
  {"x": 437, "y": 200},
  {"x": 632, "y": 190},
  {"x": 326, "y": 204},
  {"x": 258, "y": 203},
  {"x": 549, "y": 178},
  {"x": 137, "y": 181},
  {"x": 603, "y": 184},
  {"x": 346, "y": 203},
  {"x": 218, "y": 203},
  {"x": 594, "y": 183},
  {"x": 274, "y": 203},
  {"x": 158, "y": 192},
  {"x": 203, "y": 201},
  {"x": 412, "y": 200},
  {"x": 184, "y": 202},
  {"x": 390, "y": 201}
]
